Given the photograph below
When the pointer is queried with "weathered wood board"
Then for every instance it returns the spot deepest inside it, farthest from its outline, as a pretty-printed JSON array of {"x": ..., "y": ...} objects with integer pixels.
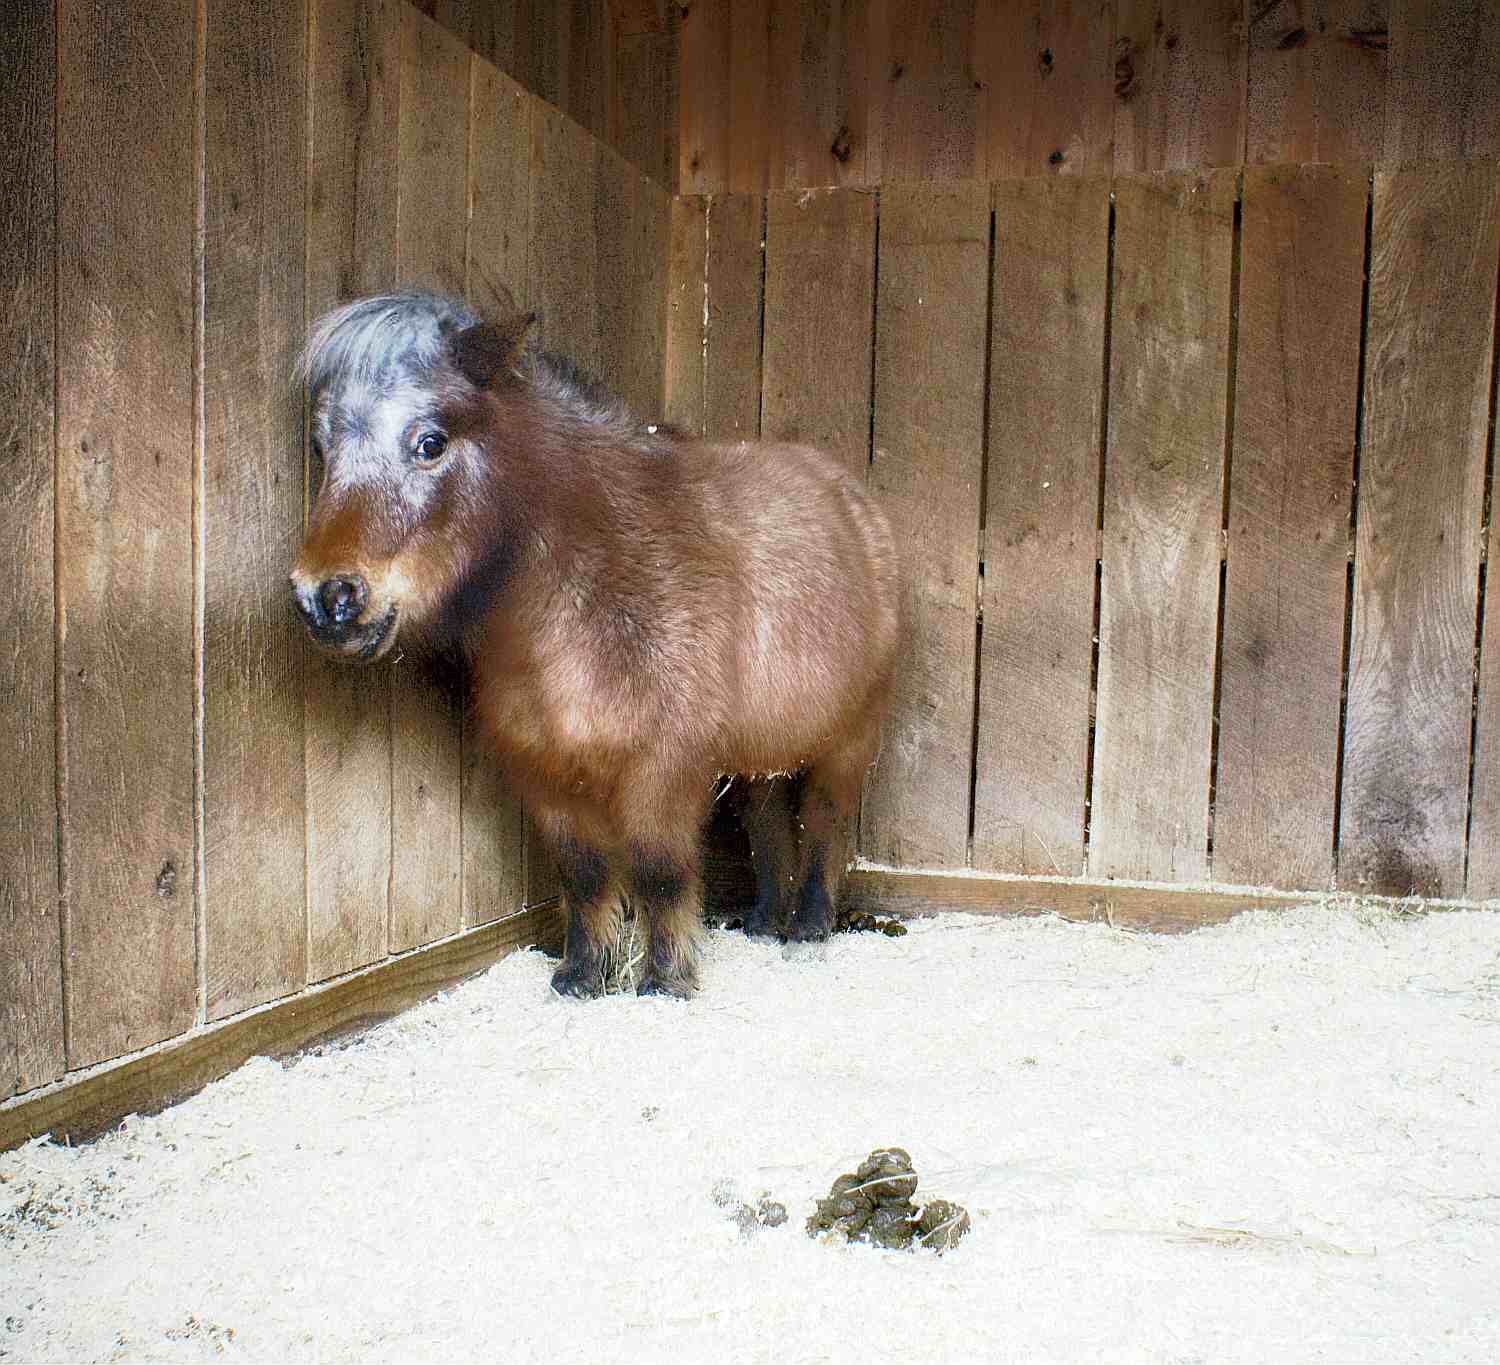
[
  {"x": 687, "y": 298},
  {"x": 732, "y": 347}
]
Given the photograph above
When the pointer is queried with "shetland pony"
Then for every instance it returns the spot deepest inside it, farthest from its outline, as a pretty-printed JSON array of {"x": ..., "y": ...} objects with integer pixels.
[{"x": 642, "y": 614}]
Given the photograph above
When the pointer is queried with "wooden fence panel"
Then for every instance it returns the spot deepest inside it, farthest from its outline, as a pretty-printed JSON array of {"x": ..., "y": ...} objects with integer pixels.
[
  {"x": 928, "y": 110},
  {"x": 1045, "y": 430},
  {"x": 1169, "y": 353},
  {"x": 426, "y": 744},
  {"x": 630, "y": 237},
  {"x": 254, "y": 814},
  {"x": 1296, "y": 383},
  {"x": 1443, "y": 87},
  {"x": 125, "y": 204},
  {"x": 31, "y": 1023},
  {"x": 1421, "y": 499},
  {"x": 815, "y": 375},
  {"x": 703, "y": 45},
  {"x": 929, "y": 443},
  {"x": 354, "y": 93},
  {"x": 732, "y": 381},
  {"x": 687, "y": 298}
]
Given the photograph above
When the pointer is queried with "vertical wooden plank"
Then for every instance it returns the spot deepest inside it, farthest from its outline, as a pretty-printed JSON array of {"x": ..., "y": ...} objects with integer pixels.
[
  {"x": 818, "y": 94},
  {"x": 563, "y": 285},
  {"x": 31, "y": 1023},
  {"x": 630, "y": 237},
  {"x": 819, "y": 302},
  {"x": 426, "y": 746},
  {"x": 1444, "y": 72},
  {"x": 1179, "y": 84},
  {"x": 645, "y": 116},
  {"x": 1317, "y": 71},
  {"x": 929, "y": 420},
  {"x": 687, "y": 300},
  {"x": 1045, "y": 76},
  {"x": 703, "y": 106},
  {"x": 1296, "y": 382},
  {"x": 930, "y": 107},
  {"x": 1046, "y": 421},
  {"x": 732, "y": 347},
  {"x": 1435, "y": 243},
  {"x": 1169, "y": 351},
  {"x": 494, "y": 830},
  {"x": 591, "y": 64},
  {"x": 754, "y": 81},
  {"x": 354, "y": 71},
  {"x": 125, "y": 191},
  {"x": 254, "y": 814}
]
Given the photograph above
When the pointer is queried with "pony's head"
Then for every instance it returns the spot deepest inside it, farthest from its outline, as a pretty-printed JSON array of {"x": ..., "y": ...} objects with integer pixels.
[{"x": 397, "y": 422}]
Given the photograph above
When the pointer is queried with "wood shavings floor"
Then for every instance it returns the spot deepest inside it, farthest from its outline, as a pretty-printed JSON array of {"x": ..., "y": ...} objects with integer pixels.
[{"x": 1277, "y": 1139}]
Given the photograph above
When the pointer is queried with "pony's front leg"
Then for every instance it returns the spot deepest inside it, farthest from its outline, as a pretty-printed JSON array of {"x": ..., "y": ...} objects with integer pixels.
[
  {"x": 663, "y": 834},
  {"x": 592, "y": 904}
]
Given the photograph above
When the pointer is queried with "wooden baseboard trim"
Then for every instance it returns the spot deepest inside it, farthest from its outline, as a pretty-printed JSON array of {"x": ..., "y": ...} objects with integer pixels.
[{"x": 83, "y": 1105}]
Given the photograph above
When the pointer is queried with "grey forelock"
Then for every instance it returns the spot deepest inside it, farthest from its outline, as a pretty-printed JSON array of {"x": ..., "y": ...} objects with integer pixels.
[{"x": 374, "y": 341}]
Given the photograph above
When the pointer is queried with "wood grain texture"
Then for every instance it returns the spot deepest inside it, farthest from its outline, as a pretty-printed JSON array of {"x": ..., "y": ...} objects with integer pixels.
[
  {"x": 254, "y": 830},
  {"x": 754, "y": 87},
  {"x": 645, "y": 117},
  {"x": 564, "y": 251},
  {"x": 1179, "y": 84},
  {"x": 81, "y": 1109},
  {"x": 354, "y": 71},
  {"x": 815, "y": 377},
  {"x": 426, "y": 723},
  {"x": 1435, "y": 244},
  {"x": 1046, "y": 425},
  {"x": 31, "y": 1022},
  {"x": 926, "y": 472},
  {"x": 1169, "y": 352},
  {"x": 125, "y": 353},
  {"x": 928, "y": 107},
  {"x": 1296, "y": 382},
  {"x": 813, "y": 123},
  {"x": 1045, "y": 71},
  {"x": 703, "y": 106},
  {"x": 687, "y": 297},
  {"x": 630, "y": 240},
  {"x": 1443, "y": 87},
  {"x": 1316, "y": 81},
  {"x": 499, "y": 251},
  {"x": 732, "y": 354}
]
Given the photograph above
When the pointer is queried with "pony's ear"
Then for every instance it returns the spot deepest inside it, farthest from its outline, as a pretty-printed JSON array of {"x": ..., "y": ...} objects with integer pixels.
[{"x": 486, "y": 350}]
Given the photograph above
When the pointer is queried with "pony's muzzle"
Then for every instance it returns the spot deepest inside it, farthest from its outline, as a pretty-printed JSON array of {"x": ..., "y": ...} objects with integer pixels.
[{"x": 333, "y": 611}]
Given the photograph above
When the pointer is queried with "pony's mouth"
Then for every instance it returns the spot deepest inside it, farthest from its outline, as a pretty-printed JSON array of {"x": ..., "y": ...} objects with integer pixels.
[
  {"x": 382, "y": 637},
  {"x": 363, "y": 642}
]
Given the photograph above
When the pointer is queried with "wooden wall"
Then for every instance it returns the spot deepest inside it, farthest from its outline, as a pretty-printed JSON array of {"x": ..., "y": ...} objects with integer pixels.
[
  {"x": 197, "y": 814},
  {"x": 610, "y": 65},
  {"x": 1192, "y": 473},
  {"x": 783, "y": 94}
]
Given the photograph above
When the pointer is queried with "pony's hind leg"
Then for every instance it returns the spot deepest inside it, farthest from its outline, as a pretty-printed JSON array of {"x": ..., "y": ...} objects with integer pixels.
[
  {"x": 828, "y": 796},
  {"x": 592, "y": 904},
  {"x": 766, "y": 811}
]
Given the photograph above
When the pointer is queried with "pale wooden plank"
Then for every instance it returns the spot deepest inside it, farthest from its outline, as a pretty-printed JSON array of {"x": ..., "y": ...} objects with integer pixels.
[
  {"x": 1169, "y": 351},
  {"x": 426, "y": 726},
  {"x": 1316, "y": 81},
  {"x": 354, "y": 92},
  {"x": 1179, "y": 84},
  {"x": 687, "y": 294},
  {"x": 1046, "y": 425},
  {"x": 732, "y": 376},
  {"x": 703, "y": 39},
  {"x": 1296, "y": 383},
  {"x": 1441, "y": 99},
  {"x": 31, "y": 1023},
  {"x": 926, "y": 472},
  {"x": 125, "y": 349},
  {"x": 254, "y": 830},
  {"x": 1435, "y": 243},
  {"x": 819, "y": 303}
]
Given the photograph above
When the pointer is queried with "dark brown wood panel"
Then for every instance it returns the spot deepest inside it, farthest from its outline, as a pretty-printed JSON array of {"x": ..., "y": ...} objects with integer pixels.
[
  {"x": 630, "y": 236},
  {"x": 735, "y": 267},
  {"x": 1045, "y": 73},
  {"x": 354, "y": 72},
  {"x": 564, "y": 247},
  {"x": 1297, "y": 378},
  {"x": 254, "y": 835},
  {"x": 926, "y": 472},
  {"x": 703, "y": 38},
  {"x": 1169, "y": 353},
  {"x": 426, "y": 725},
  {"x": 1443, "y": 88},
  {"x": 687, "y": 295},
  {"x": 1179, "y": 84},
  {"x": 31, "y": 1023},
  {"x": 1428, "y": 357},
  {"x": 754, "y": 157},
  {"x": 125, "y": 351},
  {"x": 645, "y": 116},
  {"x": 1316, "y": 81},
  {"x": 819, "y": 305},
  {"x": 1046, "y": 425}
]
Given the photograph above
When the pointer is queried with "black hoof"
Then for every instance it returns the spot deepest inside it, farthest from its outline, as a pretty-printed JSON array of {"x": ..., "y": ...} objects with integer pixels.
[{"x": 579, "y": 980}]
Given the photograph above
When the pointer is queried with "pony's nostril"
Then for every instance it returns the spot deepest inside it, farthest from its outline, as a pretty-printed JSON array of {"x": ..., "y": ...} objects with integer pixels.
[{"x": 343, "y": 598}]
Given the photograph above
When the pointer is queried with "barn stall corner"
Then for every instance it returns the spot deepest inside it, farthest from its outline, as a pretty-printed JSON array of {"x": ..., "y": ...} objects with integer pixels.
[{"x": 1190, "y": 456}]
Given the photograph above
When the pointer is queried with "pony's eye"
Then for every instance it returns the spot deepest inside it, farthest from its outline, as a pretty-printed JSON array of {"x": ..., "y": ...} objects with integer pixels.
[{"x": 431, "y": 447}]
